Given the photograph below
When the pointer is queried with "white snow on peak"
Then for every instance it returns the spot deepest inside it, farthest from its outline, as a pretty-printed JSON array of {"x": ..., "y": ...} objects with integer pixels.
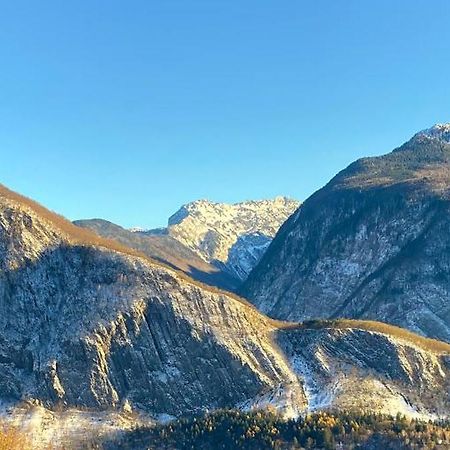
[
  {"x": 137, "y": 230},
  {"x": 439, "y": 131},
  {"x": 231, "y": 235}
]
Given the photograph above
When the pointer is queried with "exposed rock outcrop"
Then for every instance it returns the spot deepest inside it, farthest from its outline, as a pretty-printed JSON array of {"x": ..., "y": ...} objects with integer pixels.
[
  {"x": 85, "y": 324},
  {"x": 232, "y": 237}
]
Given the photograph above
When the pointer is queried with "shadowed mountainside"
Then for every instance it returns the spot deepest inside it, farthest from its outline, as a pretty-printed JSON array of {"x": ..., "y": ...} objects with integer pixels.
[
  {"x": 163, "y": 248},
  {"x": 372, "y": 244}
]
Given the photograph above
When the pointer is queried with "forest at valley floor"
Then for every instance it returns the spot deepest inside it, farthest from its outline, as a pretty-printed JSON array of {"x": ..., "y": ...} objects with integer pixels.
[{"x": 260, "y": 430}]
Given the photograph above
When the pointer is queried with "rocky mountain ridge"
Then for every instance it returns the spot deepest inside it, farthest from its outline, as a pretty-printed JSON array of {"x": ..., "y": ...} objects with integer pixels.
[
  {"x": 232, "y": 237},
  {"x": 371, "y": 244},
  {"x": 439, "y": 131}
]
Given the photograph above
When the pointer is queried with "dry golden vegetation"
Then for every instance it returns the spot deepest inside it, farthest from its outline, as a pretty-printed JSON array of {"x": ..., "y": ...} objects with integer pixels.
[
  {"x": 78, "y": 235},
  {"x": 12, "y": 438},
  {"x": 378, "y": 327}
]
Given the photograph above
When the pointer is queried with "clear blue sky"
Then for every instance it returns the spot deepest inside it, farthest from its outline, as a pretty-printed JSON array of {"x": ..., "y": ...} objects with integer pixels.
[{"x": 127, "y": 109}]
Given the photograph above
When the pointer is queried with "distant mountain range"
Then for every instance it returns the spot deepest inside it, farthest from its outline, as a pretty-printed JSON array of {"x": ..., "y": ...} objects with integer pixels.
[
  {"x": 216, "y": 243},
  {"x": 374, "y": 243}
]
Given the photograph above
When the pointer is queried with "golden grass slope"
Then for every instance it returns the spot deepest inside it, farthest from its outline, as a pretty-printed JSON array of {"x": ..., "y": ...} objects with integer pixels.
[{"x": 428, "y": 344}]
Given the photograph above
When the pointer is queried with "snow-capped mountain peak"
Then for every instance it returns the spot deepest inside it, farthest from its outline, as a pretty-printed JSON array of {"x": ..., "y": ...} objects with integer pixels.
[
  {"x": 137, "y": 229},
  {"x": 439, "y": 131},
  {"x": 231, "y": 236}
]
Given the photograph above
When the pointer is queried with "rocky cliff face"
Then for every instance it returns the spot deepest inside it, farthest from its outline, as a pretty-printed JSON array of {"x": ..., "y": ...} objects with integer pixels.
[
  {"x": 86, "y": 322},
  {"x": 372, "y": 244},
  {"x": 231, "y": 237},
  {"x": 356, "y": 365}
]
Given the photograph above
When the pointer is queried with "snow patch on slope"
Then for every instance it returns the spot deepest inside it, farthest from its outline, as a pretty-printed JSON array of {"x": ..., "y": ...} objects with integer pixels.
[
  {"x": 319, "y": 395},
  {"x": 283, "y": 398},
  {"x": 72, "y": 428}
]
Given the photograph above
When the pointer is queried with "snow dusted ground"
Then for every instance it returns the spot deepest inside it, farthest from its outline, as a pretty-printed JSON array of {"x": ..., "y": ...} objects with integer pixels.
[
  {"x": 284, "y": 399},
  {"x": 345, "y": 391},
  {"x": 70, "y": 428},
  {"x": 356, "y": 369}
]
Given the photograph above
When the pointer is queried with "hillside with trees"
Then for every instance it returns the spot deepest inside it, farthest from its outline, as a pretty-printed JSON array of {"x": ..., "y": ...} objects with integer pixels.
[{"x": 259, "y": 430}]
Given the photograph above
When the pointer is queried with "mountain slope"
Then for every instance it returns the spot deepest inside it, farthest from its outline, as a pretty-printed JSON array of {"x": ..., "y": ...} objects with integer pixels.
[
  {"x": 86, "y": 322},
  {"x": 165, "y": 249},
  {"x": 369, "y": 366},
  {"x": 373, "y": 243},
  {"x": 231, "y": 237}
]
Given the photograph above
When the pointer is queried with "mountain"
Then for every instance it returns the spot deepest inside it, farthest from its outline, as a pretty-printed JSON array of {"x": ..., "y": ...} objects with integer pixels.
[
  {"x": 164, "y": 248},
  {"x": 232, "y": 237},
  {"x": 372, "y": 244},
  {"x": 87, "y": 322}
]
